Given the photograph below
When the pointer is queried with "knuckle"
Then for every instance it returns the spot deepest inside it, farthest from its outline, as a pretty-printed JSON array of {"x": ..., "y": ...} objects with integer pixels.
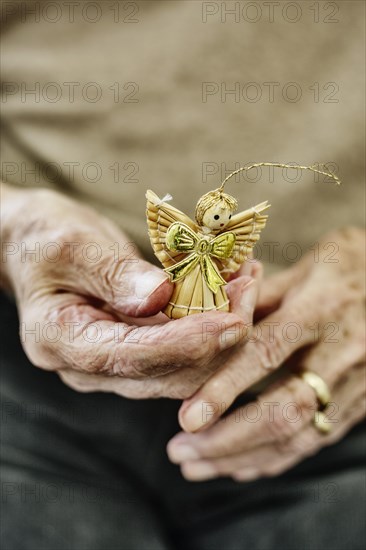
[
  {"x": 36, "y": 346},
  {"x": 199, "y": 351},
  {"x": 296, "y": 404},
  {"x": 38, "y": 354},
  {"x": 134, "y": 364},
  {"x": 196, "y": 354},
  {"x": 72, "y": 245},
  {"x": 120, "y": 363},
  {"x": 224, "y": 386},
  {"x": 63, "y": 236},
  {"x": 303, "y": 396},
  {"x": 279, "y": 428},
  {"x": 300, "y": 445},
  {"x": 223, "y": 447},
  {"x": 192, "y": 356},
  {"x": 201, "y": 340},
  {"x": 282, "y": 425},
  {"x": 289, "y": 446},
  {"x": 59, "y": 247},
  {"x": 270, "y": 353}
]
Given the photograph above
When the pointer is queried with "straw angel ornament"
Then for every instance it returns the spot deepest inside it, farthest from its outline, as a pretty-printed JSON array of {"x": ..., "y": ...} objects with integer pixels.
[{"x": 200, "y": 256}]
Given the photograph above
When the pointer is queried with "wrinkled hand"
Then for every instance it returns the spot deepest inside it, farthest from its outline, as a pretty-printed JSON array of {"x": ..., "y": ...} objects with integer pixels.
[
  {"x": 312, "y": 316},
  {"x": 89, "y": 304}
]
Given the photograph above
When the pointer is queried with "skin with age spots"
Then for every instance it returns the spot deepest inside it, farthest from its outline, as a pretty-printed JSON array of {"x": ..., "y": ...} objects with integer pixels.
[
  {"x": 138, "y": 352},
  {"x": 154, "y": 357},
  {"x": 327, "y": 295}
]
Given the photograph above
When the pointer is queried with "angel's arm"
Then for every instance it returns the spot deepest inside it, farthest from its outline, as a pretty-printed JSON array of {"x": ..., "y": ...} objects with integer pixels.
[{"x": 160, "y": 216}]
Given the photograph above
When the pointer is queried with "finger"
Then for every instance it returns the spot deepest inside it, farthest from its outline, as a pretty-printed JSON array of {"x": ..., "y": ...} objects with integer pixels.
[
  {"x": 257, "y": 270},
  {"x": 275, "y": 458},
  {"x": 242, "y": 293},
  {"x": 136, "y": 289},
  {"x": 276, "y": 415},
  {"x": 305, "y": 444},
  {"x": 124, "y": 387},
  {"x": 339, "y": 347},
  {"x": 273, "y": 341},
  {"x": 261, "y": 462},
  {"x": 264, "y": 461},
  {"x": 250, "y": 268},
  {"x": 75, "y": 334},
  {"x": 110, "y": 271},
  {"x": 274, "y": 288}
]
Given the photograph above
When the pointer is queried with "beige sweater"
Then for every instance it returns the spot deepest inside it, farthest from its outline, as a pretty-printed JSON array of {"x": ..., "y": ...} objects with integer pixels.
[{"x": 168, "y": 95}]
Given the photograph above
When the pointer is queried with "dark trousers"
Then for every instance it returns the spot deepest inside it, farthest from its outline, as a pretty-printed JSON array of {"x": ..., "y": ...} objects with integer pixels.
[{"x": 90, "y": 471}]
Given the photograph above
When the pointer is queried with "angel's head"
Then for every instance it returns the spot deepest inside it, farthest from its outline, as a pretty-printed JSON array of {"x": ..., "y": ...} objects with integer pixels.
[{"x": 214, "y": 210}]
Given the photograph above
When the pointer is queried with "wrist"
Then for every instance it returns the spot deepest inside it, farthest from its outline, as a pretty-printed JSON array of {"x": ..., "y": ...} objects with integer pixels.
[{"x": 13, "y": 203}]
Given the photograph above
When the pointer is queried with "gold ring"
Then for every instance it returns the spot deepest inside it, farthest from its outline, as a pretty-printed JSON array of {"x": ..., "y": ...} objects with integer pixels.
[
  {"x": 322, "y": 423},
  {"x": 321, "y": 389},
  {"x": 323, "y": 396}
]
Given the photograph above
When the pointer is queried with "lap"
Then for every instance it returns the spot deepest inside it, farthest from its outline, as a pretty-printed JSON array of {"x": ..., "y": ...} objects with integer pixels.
[
  {"x": 43, "y": 511},
  {"x": 85, "y": 471}
]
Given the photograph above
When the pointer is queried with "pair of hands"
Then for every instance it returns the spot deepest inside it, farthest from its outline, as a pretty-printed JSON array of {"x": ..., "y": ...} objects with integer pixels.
[{"x": 93, "y": 306}]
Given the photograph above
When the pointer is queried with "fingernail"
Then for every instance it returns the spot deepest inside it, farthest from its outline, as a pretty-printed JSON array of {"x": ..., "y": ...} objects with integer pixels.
[
  {"x": 199, "y": 470},
  {"x": 248, "y": 299},
  {"x": 180, "y": 453},
  {"x": 147, "y": 283},
  {"x": 196, "y": 415}
]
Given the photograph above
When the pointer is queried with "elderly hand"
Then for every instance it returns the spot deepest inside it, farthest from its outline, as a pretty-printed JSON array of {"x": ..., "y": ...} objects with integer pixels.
[
  {"x": 316, "y": 311},
  {"x": 88, "y": 303}
]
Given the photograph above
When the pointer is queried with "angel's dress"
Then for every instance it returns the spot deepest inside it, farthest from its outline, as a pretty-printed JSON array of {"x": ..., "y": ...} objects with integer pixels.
[{"x": 191, "y": 294}]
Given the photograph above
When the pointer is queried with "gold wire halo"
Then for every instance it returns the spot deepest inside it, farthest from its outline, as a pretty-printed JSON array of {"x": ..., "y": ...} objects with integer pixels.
[{"x": 280, "y": 165}]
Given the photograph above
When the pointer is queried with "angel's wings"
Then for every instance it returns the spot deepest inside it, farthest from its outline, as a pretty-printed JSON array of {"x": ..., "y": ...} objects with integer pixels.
[
  {"x": 160, "y": 216},
  {"x": 246, "y": 226}
]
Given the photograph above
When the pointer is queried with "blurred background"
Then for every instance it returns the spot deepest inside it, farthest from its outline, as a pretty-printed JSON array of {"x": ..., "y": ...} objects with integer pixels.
[{"x": 106, "y": 99}]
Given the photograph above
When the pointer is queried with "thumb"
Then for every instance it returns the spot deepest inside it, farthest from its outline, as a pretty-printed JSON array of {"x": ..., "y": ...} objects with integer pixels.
[
  {"x": 139, "y": 289},
  {"x": 130, "y": 285}
]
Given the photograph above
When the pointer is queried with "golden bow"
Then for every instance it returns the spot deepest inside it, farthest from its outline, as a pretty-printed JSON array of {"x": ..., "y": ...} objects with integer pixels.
[{"x": 181, "y": 238}]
